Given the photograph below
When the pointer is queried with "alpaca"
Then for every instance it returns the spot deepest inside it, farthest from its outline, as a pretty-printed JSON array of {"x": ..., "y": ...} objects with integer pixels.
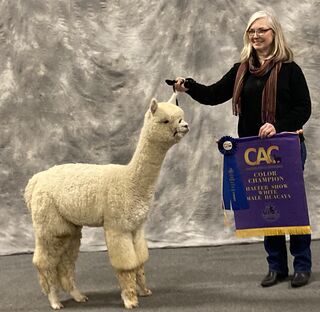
[{"x": 67, "y": 197}]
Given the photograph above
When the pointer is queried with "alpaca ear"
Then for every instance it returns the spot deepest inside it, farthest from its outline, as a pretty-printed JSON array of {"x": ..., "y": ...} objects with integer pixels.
[
  {"x": 173, "y": 99},
  {"x": 153, "y": 105}
]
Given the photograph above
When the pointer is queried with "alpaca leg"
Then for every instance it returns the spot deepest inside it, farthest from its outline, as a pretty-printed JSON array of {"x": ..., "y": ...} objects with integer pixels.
[
  {"x": 141, "y": 248},
  {"x": 66, "y": 267},
  {"x": 141, "y": 282},
  {"x": 46, "y": 257},
  {"x": 127, "y": 282},
  {"x": 121, "y": 250},
  {"x": 124, "y": 260}
]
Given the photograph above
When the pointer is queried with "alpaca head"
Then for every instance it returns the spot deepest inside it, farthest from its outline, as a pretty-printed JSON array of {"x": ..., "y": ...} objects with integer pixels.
[{"x": 164, "y": 122}]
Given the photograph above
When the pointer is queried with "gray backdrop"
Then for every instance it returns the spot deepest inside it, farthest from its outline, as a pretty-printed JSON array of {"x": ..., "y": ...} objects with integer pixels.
[{"x": 76, "y": 78}]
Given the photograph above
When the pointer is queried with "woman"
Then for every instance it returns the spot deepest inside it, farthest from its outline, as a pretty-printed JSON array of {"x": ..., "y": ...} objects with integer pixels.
[{"x": 270, "y": 95}]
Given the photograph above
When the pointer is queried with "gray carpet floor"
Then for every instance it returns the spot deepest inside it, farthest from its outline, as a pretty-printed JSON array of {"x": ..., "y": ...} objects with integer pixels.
[{"x": 225, "y": 278}]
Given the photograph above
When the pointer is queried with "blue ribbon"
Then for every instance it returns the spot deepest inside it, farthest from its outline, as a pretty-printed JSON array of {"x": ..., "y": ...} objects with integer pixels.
[{"x": 233, "y": 192}]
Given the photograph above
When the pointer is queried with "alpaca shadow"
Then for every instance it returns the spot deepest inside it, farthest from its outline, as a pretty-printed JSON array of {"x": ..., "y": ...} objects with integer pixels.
[
  {"x": 96, "y": 300},
  {"x": 180, "y": 297},
  {"x": 164, "y": 296}
]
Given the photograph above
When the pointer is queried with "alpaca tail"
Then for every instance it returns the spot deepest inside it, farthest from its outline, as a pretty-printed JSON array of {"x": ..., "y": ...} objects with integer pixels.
[{"x": 29, "y": 191}]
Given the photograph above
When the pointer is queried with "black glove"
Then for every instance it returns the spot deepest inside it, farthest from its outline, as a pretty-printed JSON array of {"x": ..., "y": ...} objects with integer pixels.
[{"x": 188, "y": 82}]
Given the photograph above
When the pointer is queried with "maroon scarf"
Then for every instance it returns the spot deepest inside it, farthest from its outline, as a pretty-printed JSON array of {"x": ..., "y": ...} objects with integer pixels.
[{"x": 268, "y": 107}]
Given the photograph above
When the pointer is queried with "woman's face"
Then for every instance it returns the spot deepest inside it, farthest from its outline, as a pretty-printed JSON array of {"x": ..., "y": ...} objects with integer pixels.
[{"x": 261, "y": 36}]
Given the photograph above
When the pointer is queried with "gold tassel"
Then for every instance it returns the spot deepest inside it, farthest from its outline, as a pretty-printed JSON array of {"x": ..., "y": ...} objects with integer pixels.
[{"x": 290, "y": 230}]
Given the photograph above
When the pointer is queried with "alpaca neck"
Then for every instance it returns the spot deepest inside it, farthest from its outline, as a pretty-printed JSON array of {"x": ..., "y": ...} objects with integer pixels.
[{"x": 146, "y": 162}]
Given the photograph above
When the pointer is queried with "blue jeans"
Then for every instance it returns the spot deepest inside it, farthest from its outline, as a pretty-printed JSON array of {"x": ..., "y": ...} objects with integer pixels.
[{"x": 276, "y": 248}]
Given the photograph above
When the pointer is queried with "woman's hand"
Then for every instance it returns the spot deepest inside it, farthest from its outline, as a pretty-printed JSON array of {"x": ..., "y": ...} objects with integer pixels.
[
  {"x": 179, "y": 85},
  {"x": 267, "y": 130}
]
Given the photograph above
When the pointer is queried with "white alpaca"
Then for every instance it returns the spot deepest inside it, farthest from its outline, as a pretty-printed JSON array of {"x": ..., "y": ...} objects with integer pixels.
[{"x": 65, "y": 198}]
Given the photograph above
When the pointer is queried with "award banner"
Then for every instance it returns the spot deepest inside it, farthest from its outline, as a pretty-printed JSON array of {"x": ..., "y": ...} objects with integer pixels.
[{"x": 263, "y": 184}]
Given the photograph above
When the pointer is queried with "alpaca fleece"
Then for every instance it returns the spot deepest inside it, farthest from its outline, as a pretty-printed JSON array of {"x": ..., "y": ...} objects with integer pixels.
[{"x": 67, "y": 197}]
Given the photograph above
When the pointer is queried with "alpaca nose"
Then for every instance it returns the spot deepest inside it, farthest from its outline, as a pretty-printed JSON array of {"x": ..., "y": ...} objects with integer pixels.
[{"x": 185, "y": 125}]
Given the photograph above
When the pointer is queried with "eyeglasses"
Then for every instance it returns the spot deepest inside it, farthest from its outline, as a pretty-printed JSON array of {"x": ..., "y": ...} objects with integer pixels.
[{"x": 260, "y": 31}]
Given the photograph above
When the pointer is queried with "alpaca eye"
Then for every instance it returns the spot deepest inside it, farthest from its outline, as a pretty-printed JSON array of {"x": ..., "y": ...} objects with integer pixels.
[{"x": 165, "y": 121}]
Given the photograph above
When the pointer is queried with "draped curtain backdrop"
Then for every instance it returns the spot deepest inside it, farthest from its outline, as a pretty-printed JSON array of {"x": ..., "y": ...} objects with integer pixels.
[{"x": 77, "y": 76}]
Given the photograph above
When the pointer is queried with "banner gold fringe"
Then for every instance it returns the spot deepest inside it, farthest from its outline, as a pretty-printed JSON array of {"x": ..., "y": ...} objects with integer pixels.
[{"x": 290, "y": 230}]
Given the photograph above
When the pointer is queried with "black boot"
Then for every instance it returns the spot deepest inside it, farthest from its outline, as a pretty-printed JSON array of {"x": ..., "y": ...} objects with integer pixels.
[
  {"x": 273, "y": 278},
  {"x": 300, "y": 279}
]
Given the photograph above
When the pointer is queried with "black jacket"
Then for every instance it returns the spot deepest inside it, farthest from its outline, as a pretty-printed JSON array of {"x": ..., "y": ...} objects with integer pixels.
[{"x": 293, "y": 104}]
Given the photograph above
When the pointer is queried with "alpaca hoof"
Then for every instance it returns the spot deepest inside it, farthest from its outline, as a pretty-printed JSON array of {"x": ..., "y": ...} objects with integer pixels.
[
  {"x": 57, "y": 306},
  {"x": 54, "y": 300},
  {"x": 78, "y": 296},
  {"x": 82, "y": 298},
  {"x": 145, "y": 292},
  {"x": 130, "y": 303}
]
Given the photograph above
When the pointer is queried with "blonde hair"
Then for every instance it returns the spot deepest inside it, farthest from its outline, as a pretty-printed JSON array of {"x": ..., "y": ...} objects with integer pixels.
[{"x": 281, "y": 51}]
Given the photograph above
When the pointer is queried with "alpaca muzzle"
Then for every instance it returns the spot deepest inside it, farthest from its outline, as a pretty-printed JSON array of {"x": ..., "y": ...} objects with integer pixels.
[{"x": 182, "y": 130}]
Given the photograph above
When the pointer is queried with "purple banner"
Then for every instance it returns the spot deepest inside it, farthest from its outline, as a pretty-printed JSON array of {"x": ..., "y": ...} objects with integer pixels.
[{"x": 272, "y": 177}]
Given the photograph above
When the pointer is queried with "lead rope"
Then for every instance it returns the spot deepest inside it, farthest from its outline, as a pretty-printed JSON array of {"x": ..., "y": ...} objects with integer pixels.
[{"x": 172, "y": 83}]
